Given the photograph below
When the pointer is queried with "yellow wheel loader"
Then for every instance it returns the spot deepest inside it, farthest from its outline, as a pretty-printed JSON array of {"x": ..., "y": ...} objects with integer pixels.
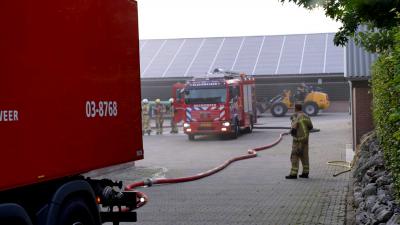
[{"x": 313, "y": 102}]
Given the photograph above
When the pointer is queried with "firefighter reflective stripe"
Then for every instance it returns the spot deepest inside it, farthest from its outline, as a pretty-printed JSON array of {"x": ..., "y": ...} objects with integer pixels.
[
  {"x": 294, "y": 171},
  {"x": 306, "y": 168},
  {"x": 303, "y": 123},
  {"x": 305, "y": 132},
  {"x": 145, "y": 109}
]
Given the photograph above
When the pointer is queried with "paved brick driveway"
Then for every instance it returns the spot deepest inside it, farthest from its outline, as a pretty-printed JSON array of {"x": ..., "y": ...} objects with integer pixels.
[{"x": 248, "y": 192}]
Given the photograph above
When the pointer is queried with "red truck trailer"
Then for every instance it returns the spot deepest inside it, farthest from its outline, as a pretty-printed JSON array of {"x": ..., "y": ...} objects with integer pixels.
[
  {"x": 223, "y": 103},
  {"x": 69, "y": 104}
]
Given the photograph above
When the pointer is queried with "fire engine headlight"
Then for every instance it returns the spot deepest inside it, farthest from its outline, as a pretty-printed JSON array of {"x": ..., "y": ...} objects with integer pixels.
[
  {"x": 186, "y": 125},
  {"x": 226, "y": 124}
]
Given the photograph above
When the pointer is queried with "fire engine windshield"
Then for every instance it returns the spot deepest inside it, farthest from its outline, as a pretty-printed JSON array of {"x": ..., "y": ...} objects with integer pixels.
[{"x": 205, "y": 96}]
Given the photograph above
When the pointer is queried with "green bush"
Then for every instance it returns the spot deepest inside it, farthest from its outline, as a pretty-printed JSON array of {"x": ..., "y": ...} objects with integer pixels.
[{"x": 386, "y": 107}]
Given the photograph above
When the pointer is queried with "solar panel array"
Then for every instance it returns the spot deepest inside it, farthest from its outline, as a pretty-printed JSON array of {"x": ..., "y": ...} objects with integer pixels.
[{"x": 254, "y": 55}]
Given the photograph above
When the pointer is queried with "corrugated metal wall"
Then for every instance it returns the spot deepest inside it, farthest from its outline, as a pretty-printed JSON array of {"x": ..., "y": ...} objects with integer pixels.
[
  {"x": 358, "y": 61},
  {"x": 255, "y": 55},
  {"x": 336, "y": 87}
]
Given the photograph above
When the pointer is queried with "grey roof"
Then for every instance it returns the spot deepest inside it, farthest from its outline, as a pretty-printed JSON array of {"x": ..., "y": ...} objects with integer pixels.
[
  {"x": 358, "y": 62},
  {"x": 255, "y": 55}
]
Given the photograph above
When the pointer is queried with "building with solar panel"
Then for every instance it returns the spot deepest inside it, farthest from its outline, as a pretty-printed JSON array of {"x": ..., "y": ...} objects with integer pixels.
[{"x": 277, "y": 62}]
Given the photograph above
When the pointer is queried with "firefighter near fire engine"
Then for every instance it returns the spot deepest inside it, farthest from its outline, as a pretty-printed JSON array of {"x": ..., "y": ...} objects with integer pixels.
[
  {"x": 300, "y": 130},
  {"x": 174, "y": 127},
  {"x": 146, "y": 117},
  {"x": 159, "y": 116}
]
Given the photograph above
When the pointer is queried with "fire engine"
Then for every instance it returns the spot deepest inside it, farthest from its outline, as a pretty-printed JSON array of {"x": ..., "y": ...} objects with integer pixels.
[{"x": 222, "y": 103}]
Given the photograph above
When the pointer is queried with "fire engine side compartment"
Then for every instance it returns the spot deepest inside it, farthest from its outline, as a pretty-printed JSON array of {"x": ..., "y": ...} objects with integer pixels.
[{"x": 69, "y": 88}]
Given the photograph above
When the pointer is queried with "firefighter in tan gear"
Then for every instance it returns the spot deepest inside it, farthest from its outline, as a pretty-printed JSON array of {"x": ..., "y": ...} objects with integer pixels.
[
  {"x": 159, "y": 116},
  {"x": 174, "y": 127},
  {"x": 301, "y": 126},
  {"x": 145, "y": 117}
]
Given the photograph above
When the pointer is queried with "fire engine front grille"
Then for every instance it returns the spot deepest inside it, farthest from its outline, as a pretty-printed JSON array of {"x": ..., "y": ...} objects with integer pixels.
[{"x": 206, "y": 128}]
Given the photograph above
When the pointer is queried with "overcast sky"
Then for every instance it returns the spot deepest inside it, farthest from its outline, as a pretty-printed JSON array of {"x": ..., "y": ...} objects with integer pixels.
[{"x": 220, "y": 18}]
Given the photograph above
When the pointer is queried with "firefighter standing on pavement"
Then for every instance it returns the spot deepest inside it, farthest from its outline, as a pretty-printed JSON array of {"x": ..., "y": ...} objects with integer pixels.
[
  {"x": 174, "y": 127},
  {"x": 145, "y": 117},
  {"x": 301, "y": 126},
  {"x": 159, "y": 116}
]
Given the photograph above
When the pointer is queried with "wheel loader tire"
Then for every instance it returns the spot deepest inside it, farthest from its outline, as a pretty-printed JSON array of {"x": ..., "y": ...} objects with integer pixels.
[
  {"x": 311, "y": 108},
  {"x": 279, "y": 109}
]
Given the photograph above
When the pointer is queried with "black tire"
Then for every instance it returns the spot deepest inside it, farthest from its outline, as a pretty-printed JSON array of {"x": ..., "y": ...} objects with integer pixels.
[
  {"x": 76, "y": 211},
  {"x": 14, "y": 221},
  {"x": 279, "y": 109},
  {"x": 250, "y": 128},
  {"x": 191, "y": 137},
  {"x": 311, "y": 108},
  {"x": 236, "y": 130}
]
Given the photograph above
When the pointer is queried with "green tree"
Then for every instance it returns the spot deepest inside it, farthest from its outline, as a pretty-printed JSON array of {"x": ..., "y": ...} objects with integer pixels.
[{"x": 380, "y": 17}]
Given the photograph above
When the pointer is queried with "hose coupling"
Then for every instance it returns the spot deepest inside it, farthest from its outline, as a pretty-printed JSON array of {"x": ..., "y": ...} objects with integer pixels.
[
  {"x": 148, "y": 182},
  {"x": 251, "y": 152}
]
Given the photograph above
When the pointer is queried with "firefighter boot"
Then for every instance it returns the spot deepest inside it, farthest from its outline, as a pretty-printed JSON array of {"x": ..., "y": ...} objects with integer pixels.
[
  {"x": 304, "y": 175},
  {"x": 291, "y": 177}
]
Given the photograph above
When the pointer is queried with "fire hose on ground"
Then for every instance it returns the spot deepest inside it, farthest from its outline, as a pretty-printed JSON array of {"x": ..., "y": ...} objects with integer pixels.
[
  {"x": 339, "y": 163},
  {"x": 251, "y": 153}
]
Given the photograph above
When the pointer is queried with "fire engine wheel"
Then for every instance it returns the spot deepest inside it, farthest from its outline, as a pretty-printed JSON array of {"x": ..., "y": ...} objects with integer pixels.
[
  {"x": 76, "y": 212},
  {"x": 279, "y": 109},
  {"x": 310, "y": 108},
  {"x": 236, "y": 130},
  {"x": 251, "y": 125},
  {"x": 250, "y": 128},
  {"x": 191, "y": 137}
]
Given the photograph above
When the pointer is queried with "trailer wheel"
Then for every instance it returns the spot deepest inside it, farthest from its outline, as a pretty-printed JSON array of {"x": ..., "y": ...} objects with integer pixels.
[
  {"x": 76, "y": 212},
  {"x": 191, "y": 137},
  {"x": 279, "y": 109},
  {"x": 15, "y": 222},
  {"x": 311, "y": 109}
]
